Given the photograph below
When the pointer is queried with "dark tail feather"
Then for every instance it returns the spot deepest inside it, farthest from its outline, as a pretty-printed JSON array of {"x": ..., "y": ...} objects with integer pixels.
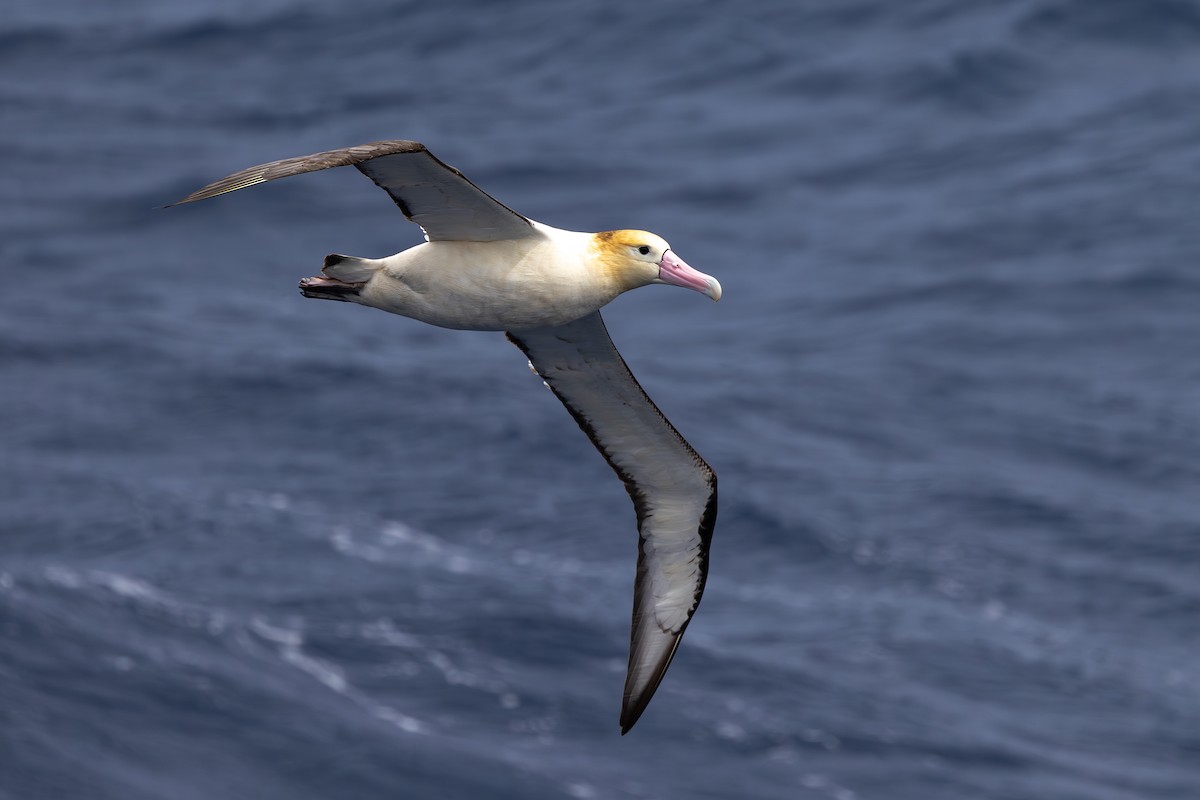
[{"x": 330, "y": 289}]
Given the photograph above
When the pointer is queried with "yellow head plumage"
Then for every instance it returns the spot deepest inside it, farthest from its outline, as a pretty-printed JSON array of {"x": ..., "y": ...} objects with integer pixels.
[{"x": 628, "y": 258}]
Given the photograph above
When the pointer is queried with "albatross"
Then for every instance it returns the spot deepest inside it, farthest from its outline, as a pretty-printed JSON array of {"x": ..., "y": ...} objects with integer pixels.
[{"x": 485, "y": 267}]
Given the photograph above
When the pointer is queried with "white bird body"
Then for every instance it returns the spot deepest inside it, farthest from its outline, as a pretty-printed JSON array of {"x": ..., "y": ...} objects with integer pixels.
[
  {"x": 516, "y": 284},
  {"x": 485, "y": 267}
]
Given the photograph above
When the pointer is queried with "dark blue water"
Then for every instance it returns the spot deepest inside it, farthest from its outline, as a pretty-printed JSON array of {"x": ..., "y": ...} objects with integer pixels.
[{"x": 258, "y": 546}]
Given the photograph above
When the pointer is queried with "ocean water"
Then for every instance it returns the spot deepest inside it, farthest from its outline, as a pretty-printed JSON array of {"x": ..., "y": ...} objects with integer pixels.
[{"x": 257, "y": 546}]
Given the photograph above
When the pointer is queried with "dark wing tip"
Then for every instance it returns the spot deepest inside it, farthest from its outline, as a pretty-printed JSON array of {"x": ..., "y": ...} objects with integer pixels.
[
  {"x": 287, "y": 167},
  {"x": 633, "y": 706}
]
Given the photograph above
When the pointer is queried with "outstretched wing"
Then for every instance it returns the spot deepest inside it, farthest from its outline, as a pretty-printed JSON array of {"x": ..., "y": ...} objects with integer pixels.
[
  {"x": 436, "y": 196},
  {"x": 674, "y": 491}
]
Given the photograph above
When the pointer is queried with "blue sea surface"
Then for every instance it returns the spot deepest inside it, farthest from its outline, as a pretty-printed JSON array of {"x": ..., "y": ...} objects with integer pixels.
[{"x": 256, "y": 546}]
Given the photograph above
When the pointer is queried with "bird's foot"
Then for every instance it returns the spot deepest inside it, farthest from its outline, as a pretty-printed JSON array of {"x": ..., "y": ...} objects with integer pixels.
[{"x": 323, "y": 288}]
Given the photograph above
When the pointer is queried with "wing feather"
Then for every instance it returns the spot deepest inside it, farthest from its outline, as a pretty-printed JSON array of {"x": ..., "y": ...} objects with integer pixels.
[
  {"x": 674, "y": 491},
  {"x": 429, "y": 192}
]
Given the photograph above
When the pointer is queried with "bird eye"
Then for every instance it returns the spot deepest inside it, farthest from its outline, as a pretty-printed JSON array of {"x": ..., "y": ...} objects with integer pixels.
[{"x": 644, "y": 249}]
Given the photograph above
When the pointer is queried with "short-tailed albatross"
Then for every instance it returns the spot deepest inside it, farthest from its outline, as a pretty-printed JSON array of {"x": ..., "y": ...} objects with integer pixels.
[{"x": 485, "y": 267}]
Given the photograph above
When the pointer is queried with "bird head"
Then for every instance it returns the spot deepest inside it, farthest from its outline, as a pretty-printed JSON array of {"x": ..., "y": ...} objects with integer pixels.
[{"x": 633, "y": 258}]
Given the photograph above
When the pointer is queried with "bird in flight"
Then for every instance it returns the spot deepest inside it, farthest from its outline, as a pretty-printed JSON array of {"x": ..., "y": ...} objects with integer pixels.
[{"x": 485, "y": 267}]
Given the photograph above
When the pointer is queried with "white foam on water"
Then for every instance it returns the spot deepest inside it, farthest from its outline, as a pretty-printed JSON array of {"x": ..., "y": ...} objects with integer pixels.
[
  {"x": 63, "y": 576},
  {"x": 402, "y": 721},
  {"x": 289, "y": 642},
  {"x": 328, "y": 674}
]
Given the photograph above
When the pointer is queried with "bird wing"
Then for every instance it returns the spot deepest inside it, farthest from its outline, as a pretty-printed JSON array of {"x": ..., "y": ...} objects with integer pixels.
[
  {"x": 431, "y": 193},
  {"x": 674, "y": 491}
]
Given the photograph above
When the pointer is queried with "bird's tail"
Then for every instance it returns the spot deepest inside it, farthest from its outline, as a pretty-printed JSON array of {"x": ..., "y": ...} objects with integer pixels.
[{"x": 342, "y": 278}]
